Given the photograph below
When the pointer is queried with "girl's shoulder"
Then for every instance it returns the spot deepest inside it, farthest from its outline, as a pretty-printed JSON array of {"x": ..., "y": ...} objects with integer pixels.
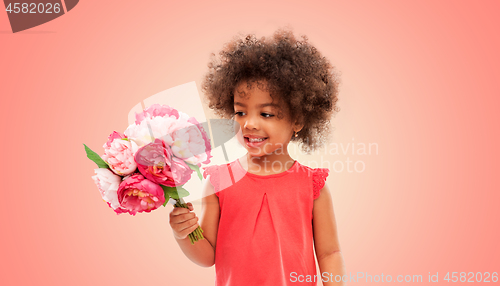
[
  {"x": 217, "y": 175},
  {"x": 213, "y": 172},
  {"x": 210, "y": 170},
  {"x": 317, "y": 176}
]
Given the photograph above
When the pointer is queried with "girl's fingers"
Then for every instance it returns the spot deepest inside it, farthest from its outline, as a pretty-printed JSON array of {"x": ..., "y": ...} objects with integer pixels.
[
  {"x": 179, "y": 210},
  {"x": 185, "y": 217},
  {"x": 186, "y": 225},
  {"x": 182, "y": 218},
  {"x": 183, "y": 221},
  {"x": 185, "y": 232}
]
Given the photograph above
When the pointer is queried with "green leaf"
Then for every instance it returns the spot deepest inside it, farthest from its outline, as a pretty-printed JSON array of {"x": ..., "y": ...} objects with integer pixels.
[
  {"x": 96, "y": 158},
  {"x": 165, "y": 193},
  {"x": 196, "y": 169},
  {"x": 181, "y": 192},
  {"x": 126, "y": 139},
  {"x": 166, "y": 199},
  {"x": 174, "y": 192}
]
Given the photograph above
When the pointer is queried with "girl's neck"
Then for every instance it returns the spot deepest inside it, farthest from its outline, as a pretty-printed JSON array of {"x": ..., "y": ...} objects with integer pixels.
[{"x": 268, "y": 164}]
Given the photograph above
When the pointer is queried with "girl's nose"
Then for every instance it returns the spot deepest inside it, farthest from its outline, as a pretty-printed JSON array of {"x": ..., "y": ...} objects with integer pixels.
[{"x": 251, "y": 123}]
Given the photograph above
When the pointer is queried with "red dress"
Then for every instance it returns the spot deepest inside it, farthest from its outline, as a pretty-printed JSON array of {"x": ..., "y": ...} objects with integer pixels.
[{"x": 265, "y": 234}]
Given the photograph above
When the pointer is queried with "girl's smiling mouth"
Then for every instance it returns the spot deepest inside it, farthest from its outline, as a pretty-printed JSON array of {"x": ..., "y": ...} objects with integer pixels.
[{"x": 254, "y": 141}]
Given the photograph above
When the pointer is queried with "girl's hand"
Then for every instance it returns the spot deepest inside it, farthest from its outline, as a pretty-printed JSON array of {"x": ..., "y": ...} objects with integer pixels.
[{"x": 183, "y": 221}]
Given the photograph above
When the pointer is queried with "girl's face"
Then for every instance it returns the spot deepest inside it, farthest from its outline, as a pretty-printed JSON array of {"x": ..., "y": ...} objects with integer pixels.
[{"x": 261, "y": 131}]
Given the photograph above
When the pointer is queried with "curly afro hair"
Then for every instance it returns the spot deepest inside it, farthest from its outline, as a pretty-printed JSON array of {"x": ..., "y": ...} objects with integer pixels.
[{"x": 304, "y": 81}]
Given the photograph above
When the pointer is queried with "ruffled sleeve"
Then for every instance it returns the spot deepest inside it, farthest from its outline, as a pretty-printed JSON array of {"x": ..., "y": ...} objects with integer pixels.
[
  {"x": 213, "y": 171},
  {"x": 319, "y": 176}
]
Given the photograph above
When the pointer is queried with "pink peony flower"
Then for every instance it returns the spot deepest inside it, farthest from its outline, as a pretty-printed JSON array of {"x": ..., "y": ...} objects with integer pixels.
[
  {"x": 108, "y": 184},
  {"x": 180, "y": 171},
  {"x": 185, "y": 136},
  {"x": 137, "y": 194},
  {"x": 155, "y": 162},
  {"x": 204, "y": 134},
  {"x": 149, "y": 129},
  {"x": 119, "y": 154},
  {"x": 188, "y": 140},
  {"x": 156, "y": 110},
  {"x": 119, "y": 210},
  {"x": 113, "y": 136}
]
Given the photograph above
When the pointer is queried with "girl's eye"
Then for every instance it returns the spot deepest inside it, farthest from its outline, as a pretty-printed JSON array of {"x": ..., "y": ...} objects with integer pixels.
[{"x": 266, "y": 115}]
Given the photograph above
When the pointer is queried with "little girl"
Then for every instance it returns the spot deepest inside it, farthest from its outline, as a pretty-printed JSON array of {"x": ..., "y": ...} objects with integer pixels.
[{"x": 262, "y": 213}]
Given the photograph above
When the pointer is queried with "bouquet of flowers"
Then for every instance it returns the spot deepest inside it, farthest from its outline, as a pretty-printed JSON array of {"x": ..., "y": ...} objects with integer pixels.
[{"x": 148, "y": 164}]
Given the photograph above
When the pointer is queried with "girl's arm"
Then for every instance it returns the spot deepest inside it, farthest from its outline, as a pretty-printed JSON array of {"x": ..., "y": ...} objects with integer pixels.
[
  {"x": 326, "y": 240},
  {"x": 184, "y": 221}
]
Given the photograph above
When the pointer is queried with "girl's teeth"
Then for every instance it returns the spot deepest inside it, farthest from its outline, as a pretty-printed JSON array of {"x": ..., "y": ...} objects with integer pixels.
[{"x": 255, "y": 140}]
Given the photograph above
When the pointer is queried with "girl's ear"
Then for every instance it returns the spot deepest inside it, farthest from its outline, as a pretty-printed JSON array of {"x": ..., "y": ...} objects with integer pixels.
[{"x": 298, "y": 126}]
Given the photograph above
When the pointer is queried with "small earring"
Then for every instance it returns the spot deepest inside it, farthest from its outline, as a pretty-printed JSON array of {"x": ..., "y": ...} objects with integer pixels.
[{"x": 296, "y": 134}]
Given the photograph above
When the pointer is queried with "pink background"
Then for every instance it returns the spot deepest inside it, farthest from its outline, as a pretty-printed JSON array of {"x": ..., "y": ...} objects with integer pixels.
[{"x": 419, "y": 78}]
